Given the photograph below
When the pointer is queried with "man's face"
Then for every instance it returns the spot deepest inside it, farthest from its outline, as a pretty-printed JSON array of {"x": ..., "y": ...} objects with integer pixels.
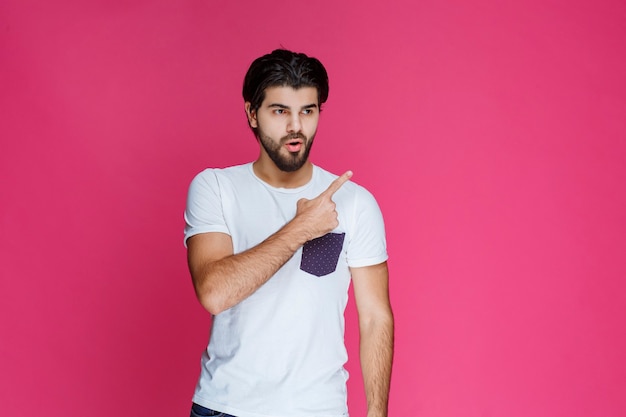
[{"x": 286, "y": 123}]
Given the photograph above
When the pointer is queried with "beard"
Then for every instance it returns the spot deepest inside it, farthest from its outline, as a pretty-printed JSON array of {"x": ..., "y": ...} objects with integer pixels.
[{"x": 286, "y": 161}]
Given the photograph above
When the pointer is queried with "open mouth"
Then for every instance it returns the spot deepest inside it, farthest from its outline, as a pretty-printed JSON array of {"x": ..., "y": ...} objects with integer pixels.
[{"x": 294, "y": 145}]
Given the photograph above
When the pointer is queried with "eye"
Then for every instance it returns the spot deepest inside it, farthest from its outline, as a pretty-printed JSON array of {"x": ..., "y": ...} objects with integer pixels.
[
  {"x": 279, "y": 111},
  {"x": 307, "y": 111}
]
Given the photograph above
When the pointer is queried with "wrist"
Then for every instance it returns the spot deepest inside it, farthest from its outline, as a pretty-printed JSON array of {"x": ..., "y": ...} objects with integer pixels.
[{"x": 297, "y": 232}]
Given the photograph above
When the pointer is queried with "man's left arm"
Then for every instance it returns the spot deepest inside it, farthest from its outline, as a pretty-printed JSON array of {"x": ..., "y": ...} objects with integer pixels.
[{"x": 371, "y": 293}]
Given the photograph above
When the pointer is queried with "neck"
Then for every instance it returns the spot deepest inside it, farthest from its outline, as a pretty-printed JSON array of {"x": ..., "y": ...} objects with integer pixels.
[{"x": 267, "y": 171}]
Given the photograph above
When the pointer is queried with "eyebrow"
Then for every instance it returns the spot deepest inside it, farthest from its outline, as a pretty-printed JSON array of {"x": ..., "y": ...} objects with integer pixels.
[{"x": 282, "y": 106}]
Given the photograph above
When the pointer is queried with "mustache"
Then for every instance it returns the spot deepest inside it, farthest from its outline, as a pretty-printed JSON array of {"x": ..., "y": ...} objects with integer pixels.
[{"x": 293, "y": 136}]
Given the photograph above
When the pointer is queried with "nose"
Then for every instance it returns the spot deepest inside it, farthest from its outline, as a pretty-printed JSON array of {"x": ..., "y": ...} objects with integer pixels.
[{"x": 294, "y": 125}]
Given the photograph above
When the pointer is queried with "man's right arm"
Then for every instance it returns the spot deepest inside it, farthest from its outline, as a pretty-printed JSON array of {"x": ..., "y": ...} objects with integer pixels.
[{"x": 222, "y": 279}]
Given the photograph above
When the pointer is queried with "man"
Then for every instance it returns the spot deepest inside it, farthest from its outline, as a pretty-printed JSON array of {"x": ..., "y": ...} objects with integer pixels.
[{"x": 272, "y": 246}]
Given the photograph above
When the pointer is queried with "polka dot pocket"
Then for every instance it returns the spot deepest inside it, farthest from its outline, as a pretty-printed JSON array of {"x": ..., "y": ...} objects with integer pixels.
[{"x": 320, "y": 255}]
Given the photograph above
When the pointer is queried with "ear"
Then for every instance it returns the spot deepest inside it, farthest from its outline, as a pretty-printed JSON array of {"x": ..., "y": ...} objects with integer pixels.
[{"x": 251, "y": 114}]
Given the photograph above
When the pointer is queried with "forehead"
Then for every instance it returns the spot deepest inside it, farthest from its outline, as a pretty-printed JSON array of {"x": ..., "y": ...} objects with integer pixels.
[{"x": 289, "y": 96}]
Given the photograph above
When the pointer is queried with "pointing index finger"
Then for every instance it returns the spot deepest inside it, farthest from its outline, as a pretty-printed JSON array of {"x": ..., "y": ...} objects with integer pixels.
[{"x": 336, "y": 184}]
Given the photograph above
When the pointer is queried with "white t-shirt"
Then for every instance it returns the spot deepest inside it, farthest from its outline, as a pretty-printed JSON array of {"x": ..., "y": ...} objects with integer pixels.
[{"x": 280, "y": 352}]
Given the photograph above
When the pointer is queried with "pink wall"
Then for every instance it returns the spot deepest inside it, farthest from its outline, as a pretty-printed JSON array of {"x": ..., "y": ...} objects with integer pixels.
[{"x": 491, "y": 132}]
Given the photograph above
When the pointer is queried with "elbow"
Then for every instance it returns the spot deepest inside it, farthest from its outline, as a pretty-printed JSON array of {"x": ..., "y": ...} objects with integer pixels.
[
  {"x": 207, "y": 294},
  {"x": 211, "y": 302},
  {"x": 215, "y": 309},
  {"x": 382, "y": 321}
]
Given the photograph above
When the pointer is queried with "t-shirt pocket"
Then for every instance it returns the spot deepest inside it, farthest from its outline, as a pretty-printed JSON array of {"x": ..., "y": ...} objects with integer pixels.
[{"x": 320, "y": 255}]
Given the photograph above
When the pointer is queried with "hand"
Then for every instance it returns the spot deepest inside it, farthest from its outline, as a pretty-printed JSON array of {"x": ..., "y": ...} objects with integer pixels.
[{"x": 318, "y": 216}]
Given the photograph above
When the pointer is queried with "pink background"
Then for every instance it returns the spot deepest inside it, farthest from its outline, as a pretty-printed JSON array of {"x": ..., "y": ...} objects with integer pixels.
[{"x": 491, "y": 132}]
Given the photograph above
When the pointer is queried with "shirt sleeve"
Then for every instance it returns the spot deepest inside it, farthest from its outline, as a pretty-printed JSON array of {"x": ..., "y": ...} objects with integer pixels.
[
  {"x": 367, "y": 245},
  {"x": 204, "y": 212}
]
